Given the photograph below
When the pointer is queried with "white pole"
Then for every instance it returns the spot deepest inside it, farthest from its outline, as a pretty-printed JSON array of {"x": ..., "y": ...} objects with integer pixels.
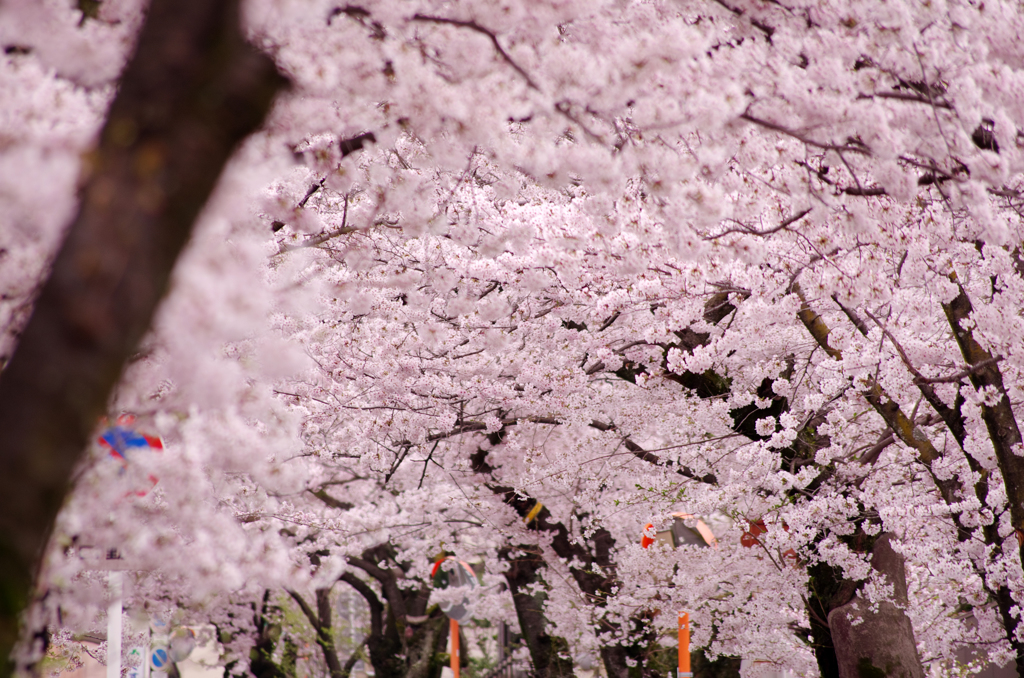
[
  {"x": 148, "y": 647},
  {"x": 352, "y": 621},
  {"x": 114, "y": 612}
]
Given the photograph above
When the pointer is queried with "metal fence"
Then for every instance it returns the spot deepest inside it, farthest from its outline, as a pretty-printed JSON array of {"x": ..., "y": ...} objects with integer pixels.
[{"x": 510, "y": 668}]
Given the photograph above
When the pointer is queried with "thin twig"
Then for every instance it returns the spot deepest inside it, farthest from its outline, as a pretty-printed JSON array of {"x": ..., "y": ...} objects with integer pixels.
[
  {"x": 426, "y": 463},
  {"x": 801, "y": 137},
  {"x": 472, "y": 25},
  {"x": 312, "y": 189},
  {"x": 920, "y": 378},
  {"x": 565, "y": 108},
  {"x": 859, "y": 190},
  {"x": 904, "y": 96},
  {"x": 768, "y": 231},
  {"x": 953, "y": 378},
  {"x": 344, "y": 229}
]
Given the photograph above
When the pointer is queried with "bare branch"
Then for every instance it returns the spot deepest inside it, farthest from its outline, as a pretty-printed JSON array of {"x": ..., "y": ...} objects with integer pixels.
[
  {"x": 312, "y": 189},
  {"x": 376, "y": 607},
  {"x": 953, "y": 378},
  {"x": 952, "y": 416},
  {"x": 857, "y": 321},
  {"x": 873, "y": 452},
  {"x": 322, "y": 495},
  {"x": 852, "y": 148},
  {"x": 472, "y": 25},
  {"x": 905, "y": 96},
  {"x": 311, "y": 616},
  {"x": 768, "y": 31},
  {"x": 565, "y": 108},
  {"x": 867, "y": 191},
  {"x": 651, "y": 458},
  {"x": 768, "y": 231}
]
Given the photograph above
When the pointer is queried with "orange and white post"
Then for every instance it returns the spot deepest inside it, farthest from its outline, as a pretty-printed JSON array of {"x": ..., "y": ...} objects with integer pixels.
[
  {"x": 455, "y": 648},
  {"x": 684, "y": 646}
]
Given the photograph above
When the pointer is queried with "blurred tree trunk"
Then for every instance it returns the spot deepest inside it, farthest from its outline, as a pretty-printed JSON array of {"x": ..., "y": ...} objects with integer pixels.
[
  {"x": 193, "y": 90},
  {"x": 722, "y": 667}
]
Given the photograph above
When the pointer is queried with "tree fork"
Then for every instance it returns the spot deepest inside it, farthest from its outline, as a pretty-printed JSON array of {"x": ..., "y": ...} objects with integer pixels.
[
  {"x": 882, "y": 403},
  {"x": 394, "y": 652},
  {"x": 954, "y": 420}
]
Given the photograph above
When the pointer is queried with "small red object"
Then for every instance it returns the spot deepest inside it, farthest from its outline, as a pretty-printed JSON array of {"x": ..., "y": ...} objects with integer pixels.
[
  {"x": 749, "y": 538},
  {"x": 646, "y": 541}
]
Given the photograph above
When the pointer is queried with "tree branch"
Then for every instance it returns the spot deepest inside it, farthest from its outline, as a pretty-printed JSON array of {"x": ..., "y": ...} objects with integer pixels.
[
  {"x": 959, "y": 376},
  {"x": 387, "y": 577},
  {"x": 905, "y": 96},
  {"x": 311, "y": 616},
  {"x": 998, "y": 417},
  {"x": 376, "y": 607},
  {"x": 768, "y": 231},
  {"x": 775, "y": 127},
  {"x": 910, "y": 434},
  {"x": 952, "y": 416},
  {"x": 322, "y": 495},
  {"x": 472, "y": 25},
  {"x": 651, "y": 458}
]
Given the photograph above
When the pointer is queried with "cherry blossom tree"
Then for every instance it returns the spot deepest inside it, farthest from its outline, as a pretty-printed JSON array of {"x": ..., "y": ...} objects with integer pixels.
[{"x": 514, "y": 280}]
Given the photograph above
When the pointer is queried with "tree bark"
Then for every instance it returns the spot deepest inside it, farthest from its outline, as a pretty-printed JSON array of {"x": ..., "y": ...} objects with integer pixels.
[
  {"x": 877, "y": 644},
  {"x": 268, "y": 633},
  {"x": 193, "y": 90},
  {"x": 426, "y": 647},
  {"x": 545, "y": 650},
  {"x": 320, "y": 620},
  {"x": 723, "y": 667},
  {"x": 405, "y": 641},
  {"x": 1005, "y": 436}
]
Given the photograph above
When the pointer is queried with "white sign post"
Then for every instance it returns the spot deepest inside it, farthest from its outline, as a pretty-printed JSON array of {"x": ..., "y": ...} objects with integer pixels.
[{"x": 114, "y": 612}]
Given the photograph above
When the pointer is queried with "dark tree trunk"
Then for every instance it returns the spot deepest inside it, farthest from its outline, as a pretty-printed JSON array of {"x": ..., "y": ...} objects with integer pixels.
[
  {"x": 190, "y": 94},
  {"x": 325, "y": 633},
  {"x": 268, "y": 633},
  {"x": 387, "y": 653},
  {"x": 723, "y": 667},
  {"x": 1005, "y": 436},
  {"x": 546, "y": 651},
  {"x": 827, "y": 590},
  {"x": 405, "y": 641},
  {"x": 426, "y": 647},
  {"x": 614, "y": 659}
]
